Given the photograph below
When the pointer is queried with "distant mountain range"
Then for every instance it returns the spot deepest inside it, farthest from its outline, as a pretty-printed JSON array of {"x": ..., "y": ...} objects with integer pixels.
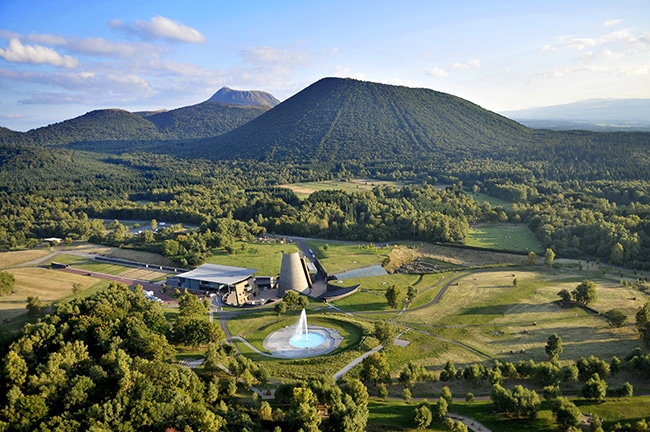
[
  {"x": 224, "y": 111},
  {"x": 336, "y": 120},
  {"x": 592, "y": 114}
]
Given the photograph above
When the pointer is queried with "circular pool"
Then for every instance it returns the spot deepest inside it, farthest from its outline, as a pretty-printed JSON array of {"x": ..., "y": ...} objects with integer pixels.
[{"x": 311, "y": 340}]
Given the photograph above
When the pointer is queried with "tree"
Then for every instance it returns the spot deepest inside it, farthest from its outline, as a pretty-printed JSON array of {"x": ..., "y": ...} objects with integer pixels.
[
  {"x": 375, "y": 368},
  {"x": 518, "y": 403},
  {"x": 532, "y": 258},
  {"x": 445, "y": 393},
  {"x": 382, "y": 391},
  {"x": 441, "y": 408},
  {"x": 643, "y": 322},
  {"x": 615, "y": 317},
  {"x": 595, "y": 388},
  {"x": 449, "y": 372},
  {"x": 7, "y": 283},
  {"x": 395, "y": 297},
  {"x": 549, "y": 257},
  {"x": 411, "y": 293},
  {"x": 280, "y": 307},
  {"x": 553, "y": 347},
  {"x": 385, "y": 332},
  {"x": 77, "y": 289},
  {"x": 566, "y": 413},
  {"x": 585, "y": 293},
  {"x": 33, "y": 306},
  {"x": 565, "y": 295},
  {"x": 303, "y": 412},
  {"x": 422, "y": 416},
  {"x": 455, "y": 426}
]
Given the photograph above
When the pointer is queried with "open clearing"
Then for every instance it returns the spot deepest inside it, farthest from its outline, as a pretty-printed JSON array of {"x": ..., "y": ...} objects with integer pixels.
[
  {"x": 511, "y": 237},
  {"x": 304, "y": 189}
]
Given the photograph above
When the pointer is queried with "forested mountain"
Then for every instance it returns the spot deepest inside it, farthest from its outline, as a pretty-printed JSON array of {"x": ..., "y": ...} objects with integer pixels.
[
  {"x": 207, "y": 119},
  {"x": 342, "y": 119},
  {"x": 229, "y": 96}
]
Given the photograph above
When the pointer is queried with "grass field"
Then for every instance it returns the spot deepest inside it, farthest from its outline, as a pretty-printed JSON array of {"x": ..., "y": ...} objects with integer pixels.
[
  {"x": 337, "y": 257},
  {"x": 304, "y": 189},
  {"x": 511, "y": 237},
  {"x": 397, "y": 415},
  {"x": 494, "y": 201},
  {"x": 15, "y": 258},
  {"x": 266, "y": 258},
  {"x": 30, "y": 282}
]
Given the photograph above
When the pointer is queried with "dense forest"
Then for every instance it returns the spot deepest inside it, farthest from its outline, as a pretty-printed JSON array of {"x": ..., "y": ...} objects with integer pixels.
[{"x": 103, "y": 363}]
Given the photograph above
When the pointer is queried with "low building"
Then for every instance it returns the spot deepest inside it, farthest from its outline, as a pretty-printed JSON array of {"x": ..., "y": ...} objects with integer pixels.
[{"x": 236, "y": 284}]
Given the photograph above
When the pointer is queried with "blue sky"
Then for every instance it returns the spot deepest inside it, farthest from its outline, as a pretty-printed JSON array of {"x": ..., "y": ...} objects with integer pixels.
[{"x": 60, "y": 58}]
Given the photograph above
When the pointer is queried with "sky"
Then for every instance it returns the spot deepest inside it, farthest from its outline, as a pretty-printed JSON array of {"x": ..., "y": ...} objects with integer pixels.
[{"x": 62, "y": 58}]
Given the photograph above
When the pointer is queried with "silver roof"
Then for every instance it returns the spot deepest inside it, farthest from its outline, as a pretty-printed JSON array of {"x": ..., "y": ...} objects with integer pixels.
[{"x": 218, "y": 274}]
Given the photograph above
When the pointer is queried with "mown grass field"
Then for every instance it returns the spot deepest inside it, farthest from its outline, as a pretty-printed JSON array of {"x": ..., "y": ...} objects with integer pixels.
[
  {"x": 48, "y": 285},
  {"x": 510, "y": 237},
  {"x": 266, "y": 258}
]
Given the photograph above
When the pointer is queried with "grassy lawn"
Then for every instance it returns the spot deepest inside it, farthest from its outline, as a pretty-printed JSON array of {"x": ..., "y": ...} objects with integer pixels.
[
  {"x": 266, "y": 258},
  {"x": 485, "y": 309},
  {"x": 512, "y": 237},
  {"x": 337, "y": 257}
]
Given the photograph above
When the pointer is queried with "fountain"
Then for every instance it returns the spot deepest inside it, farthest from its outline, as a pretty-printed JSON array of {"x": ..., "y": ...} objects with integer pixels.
[{"x": 301, "y": 339}]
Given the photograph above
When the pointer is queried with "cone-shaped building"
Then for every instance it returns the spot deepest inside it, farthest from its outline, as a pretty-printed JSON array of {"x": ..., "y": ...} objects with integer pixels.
[{"x": 293, "y": 275}]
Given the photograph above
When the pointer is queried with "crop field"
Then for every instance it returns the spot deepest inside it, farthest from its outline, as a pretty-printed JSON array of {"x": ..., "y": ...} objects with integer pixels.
[
  {"x": 15, "y": 258},
  {"x": 511, "y": 237},
  {"x": 30, "y": 283}
]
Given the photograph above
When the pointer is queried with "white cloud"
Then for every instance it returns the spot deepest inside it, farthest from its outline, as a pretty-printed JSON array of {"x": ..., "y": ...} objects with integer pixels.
[
  {"x": 160, "y": 27},
  {"x": 470, "y": 64},
  {"x": 35, "y": 54},
  {"x": 438, "y": 72},
  {"x": 612, "y": 22},
  {"x": 276, "y": 56},
  {"x": 344, "y": 72}
]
